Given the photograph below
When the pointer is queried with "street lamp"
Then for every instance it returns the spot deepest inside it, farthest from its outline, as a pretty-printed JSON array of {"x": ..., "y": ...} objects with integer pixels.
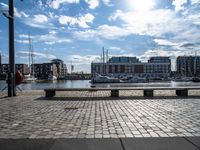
[{"x": 11, "y": 71}]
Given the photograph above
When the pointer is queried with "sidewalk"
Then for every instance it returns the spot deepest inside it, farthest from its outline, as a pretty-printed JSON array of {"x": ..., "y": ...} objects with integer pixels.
[
  {"x": 176, "y": 143},
  {"x": 94, "y": 121}
]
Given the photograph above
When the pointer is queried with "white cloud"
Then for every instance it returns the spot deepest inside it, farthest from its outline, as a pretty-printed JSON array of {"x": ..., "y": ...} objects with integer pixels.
[
  {"x": 195, "y": 1},
  {"x": 140, "y": 5},
  {"x": 55, "y": 4},
  {"x": 153, "y": 23},
  {"x": 37, "y": 55},
  {"x": 114, "y": 48},
  {"x": 4, "y": 6},
  {"x": 92, "y": 3},
  {"x": 165, "y": 42},
  {"x": 194, "y": 18},
  {"x": 107, "y": 2},
  {"x": 179, "y": 4},
  {"x": 80, "y": 21},
  {"x": 87, "y": 59},
  {"x": 22, "y": 41},
  {"x": 191, "y": 35},
  {"x": 49, "y": 39},
  {"x": 83, "y": 63},
  {"x": 40, "y": 19},
  {"x": 103, "y": 31}
]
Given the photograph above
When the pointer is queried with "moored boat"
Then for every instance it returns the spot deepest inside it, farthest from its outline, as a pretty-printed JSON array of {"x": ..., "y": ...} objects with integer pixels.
[
  {"x": 28, "y": 78},
  {"x": 196, "y": 79},
  {"x": 104, "y": 79}
]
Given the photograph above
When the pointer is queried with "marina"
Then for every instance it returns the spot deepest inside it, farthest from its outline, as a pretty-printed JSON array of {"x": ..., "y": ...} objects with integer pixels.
[
  {"x": 99, "y": 75},
  {"x": 41, "y": 85}
]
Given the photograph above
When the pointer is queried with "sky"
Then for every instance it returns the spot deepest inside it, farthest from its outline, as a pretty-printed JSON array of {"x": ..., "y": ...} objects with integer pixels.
[{"x": 77, "y": 30}]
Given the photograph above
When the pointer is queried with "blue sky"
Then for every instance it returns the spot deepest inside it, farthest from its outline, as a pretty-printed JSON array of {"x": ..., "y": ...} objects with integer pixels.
[{"x": 76, "y": 30}]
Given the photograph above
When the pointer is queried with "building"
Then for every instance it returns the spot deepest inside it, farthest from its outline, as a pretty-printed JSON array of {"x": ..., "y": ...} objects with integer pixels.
[
  {"x": 158, "y": 67},
  {"x": 188, "y": 66},
  {"x": 55, "y": 68},
  {"x": 119, "y": 66},
  {"x": 61, "y": 68},
  {"x": 159, "y": 60},
  {"x": 23, "y": 68},
  {"x": 123, "y": 60},
  {"x": 45, "y": 70}
]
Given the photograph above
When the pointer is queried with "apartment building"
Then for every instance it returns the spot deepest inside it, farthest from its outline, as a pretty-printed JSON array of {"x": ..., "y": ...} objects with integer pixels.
[{"x": 118, "y": 66}]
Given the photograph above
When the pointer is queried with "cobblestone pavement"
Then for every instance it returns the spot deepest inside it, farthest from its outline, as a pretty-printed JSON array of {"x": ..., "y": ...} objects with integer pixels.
[{"x": 95, "y": 115}]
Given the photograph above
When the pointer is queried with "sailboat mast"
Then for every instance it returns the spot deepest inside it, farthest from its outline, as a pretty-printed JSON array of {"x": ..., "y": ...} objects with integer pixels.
[
  {"x": 29, "y": 53},
  {"x": 103, "y": 61},
  {"x": 32, "y": 60}
]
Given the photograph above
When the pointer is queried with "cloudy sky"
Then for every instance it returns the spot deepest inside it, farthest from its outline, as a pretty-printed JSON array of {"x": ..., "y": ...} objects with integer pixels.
[{"x": 76, "y": 30}]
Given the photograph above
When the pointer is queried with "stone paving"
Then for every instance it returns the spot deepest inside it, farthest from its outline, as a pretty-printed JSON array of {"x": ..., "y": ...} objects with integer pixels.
[{"x": 95, "y": 115}]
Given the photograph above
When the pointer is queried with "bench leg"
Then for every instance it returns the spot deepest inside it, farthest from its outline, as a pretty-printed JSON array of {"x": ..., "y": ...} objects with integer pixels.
[
  {"x": 50, "y": 93},
  {"x": 114, "y": 93},
  {"x": 182, "y": 92},
  {"x": 148, "y": 93}
]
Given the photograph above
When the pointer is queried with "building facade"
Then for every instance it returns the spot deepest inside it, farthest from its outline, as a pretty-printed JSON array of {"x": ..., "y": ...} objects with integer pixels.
[
  {"x": 44, "y": 71},
  {"x": 55, "y": 68},
  {"x": 23, "y": 68},
  {"x": 61, "y": 68},
  {"x": 4, "y": 68},
  {"x": 119, "y": 66},
  {"x": 188, "y": 66}
]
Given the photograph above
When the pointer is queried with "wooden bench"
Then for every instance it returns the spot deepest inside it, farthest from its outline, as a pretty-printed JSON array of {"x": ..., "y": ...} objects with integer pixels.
[{"x": 147, "y": 91}]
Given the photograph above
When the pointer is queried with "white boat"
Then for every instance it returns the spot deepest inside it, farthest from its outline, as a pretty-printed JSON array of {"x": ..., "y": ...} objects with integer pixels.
[
  {"x": 104, "y": 79},
  {"x": 52, "y": 78},
  {"x": 28, "y": 78}
]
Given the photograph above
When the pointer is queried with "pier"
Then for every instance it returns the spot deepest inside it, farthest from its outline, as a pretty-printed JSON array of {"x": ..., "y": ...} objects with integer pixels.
[{"x": 92, "y": 118}]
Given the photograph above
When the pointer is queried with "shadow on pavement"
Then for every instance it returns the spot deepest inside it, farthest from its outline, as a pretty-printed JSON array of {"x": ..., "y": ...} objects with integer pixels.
[
  {"x": 116, "y": 98},
  {"x": 174, "y": 143}
]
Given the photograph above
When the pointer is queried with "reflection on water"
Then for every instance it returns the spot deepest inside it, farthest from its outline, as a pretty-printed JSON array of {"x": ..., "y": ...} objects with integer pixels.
[{"x": 87, "y": 84}]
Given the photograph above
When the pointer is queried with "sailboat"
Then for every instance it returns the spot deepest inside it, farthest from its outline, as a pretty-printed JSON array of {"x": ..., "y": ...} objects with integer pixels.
[{"x": 30, "y": 77}]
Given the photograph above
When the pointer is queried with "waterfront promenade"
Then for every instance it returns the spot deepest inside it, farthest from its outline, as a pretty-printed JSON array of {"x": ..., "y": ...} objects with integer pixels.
[{"x": 94, "y": 115}]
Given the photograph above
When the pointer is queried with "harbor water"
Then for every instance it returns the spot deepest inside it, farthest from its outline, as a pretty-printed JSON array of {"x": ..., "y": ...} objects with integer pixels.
[{"x": 87, "y": 84}]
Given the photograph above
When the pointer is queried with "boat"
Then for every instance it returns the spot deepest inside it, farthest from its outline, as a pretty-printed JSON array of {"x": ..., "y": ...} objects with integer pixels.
[
  {"x": 51, "y": 78},
  {"x": 196, "y": 79},
  {"x": 104, "y": 79},
  {"x": 29, "y": 78},
  {"x": 137, "y": 80}
]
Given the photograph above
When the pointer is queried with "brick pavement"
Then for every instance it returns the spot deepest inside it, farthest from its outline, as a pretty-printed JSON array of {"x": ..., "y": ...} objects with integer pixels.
[{"x": 94, "y": 115}]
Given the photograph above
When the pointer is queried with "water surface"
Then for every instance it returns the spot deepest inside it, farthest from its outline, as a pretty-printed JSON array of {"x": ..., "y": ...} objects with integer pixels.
[{"x": 87, "y": 84}]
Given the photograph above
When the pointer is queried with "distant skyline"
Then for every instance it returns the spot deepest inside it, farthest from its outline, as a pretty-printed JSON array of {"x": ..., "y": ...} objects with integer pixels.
[{"x": 76, "y": 30}]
